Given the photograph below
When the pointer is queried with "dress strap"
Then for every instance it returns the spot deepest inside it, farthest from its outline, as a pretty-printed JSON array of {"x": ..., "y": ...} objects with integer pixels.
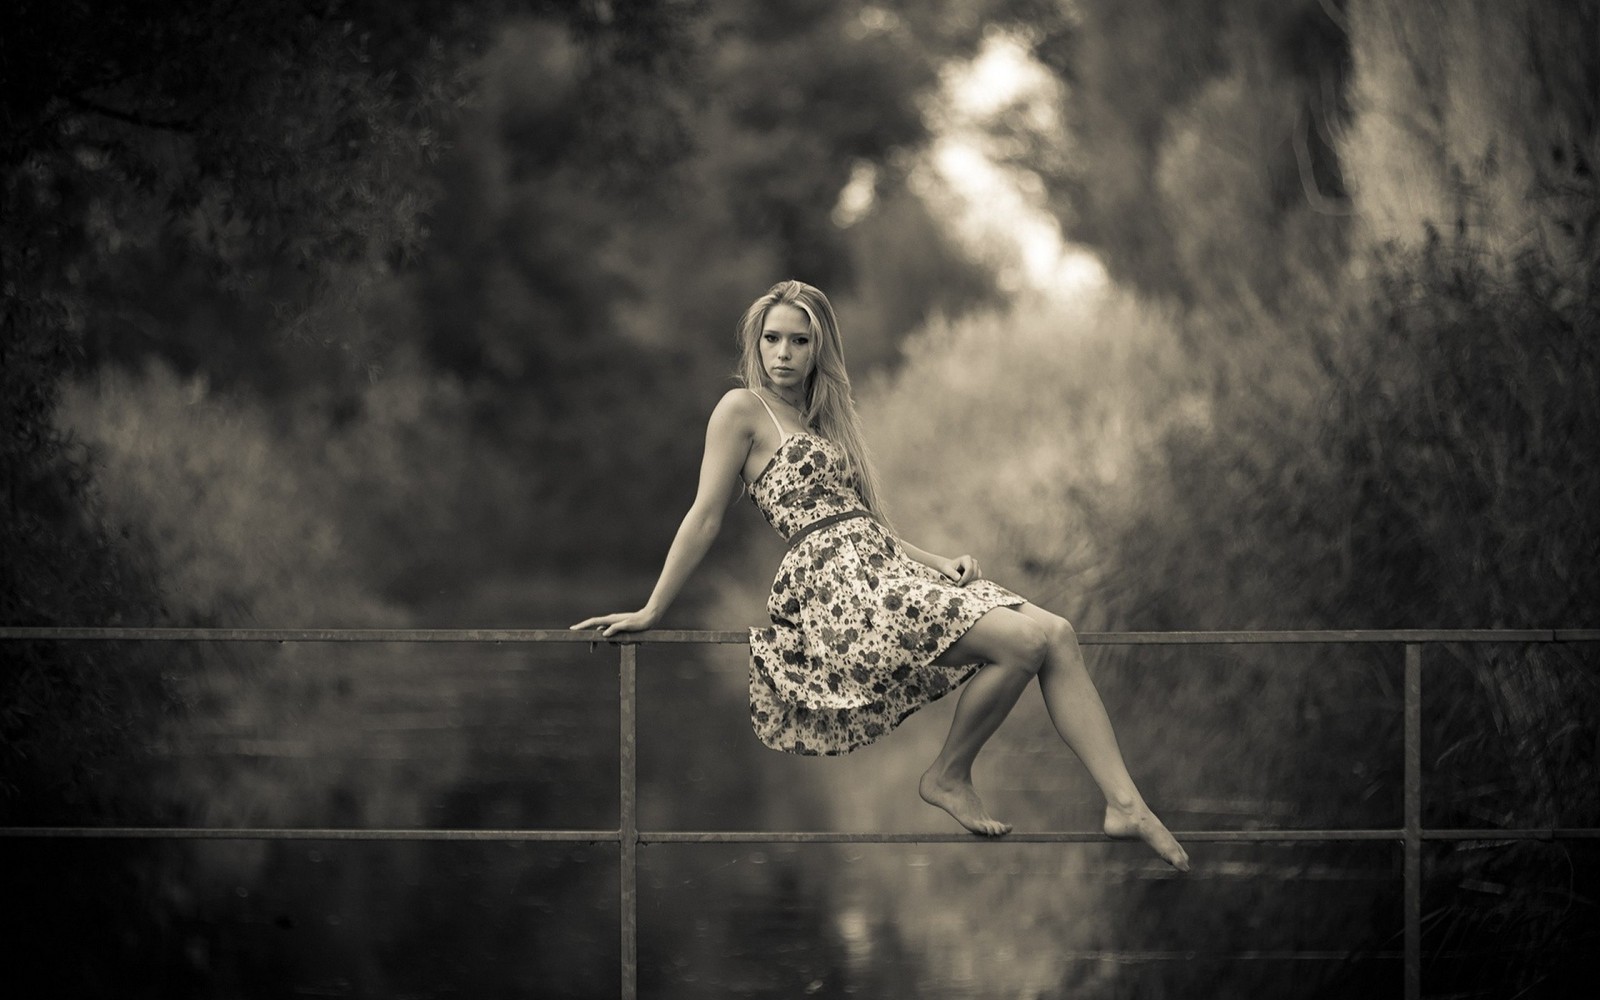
[{"x": 782, "y": 434}]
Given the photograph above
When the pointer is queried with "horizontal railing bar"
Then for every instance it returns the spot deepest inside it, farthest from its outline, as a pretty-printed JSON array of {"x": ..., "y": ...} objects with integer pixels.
[
  {"x": 1324, "y": 636},
  {"x": 1266, "y": 955},
  {"x": 1035, "y": 837},
  {"x": 767, "y": 836},
  {"x": 484, "y": 635},
  {"x": 1552, "y": 833},
  {"x": 279, "y": 833},
  {"x": 1256, "y": 955},
  {"x": 1130, "y": 957},
  {"x": 741, "y": 636}
]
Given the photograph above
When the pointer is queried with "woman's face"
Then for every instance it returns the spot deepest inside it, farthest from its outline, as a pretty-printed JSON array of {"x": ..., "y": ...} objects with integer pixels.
[{"x": 788, "y": 350}]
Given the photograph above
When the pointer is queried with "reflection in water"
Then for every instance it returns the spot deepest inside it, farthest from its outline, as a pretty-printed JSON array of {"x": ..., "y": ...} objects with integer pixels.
[
  {"x": 409, "y": 736},
  {"x": 507, "y": 737}
]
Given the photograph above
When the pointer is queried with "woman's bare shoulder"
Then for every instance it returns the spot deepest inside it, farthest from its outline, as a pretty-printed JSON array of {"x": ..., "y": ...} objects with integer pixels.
[
  {"x": 737, "y": 409},
  {"x": 740, "y": 402}
]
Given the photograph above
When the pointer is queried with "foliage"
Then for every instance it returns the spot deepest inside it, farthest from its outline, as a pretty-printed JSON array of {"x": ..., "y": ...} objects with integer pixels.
[
  {"x": 232, "y": 515},
  {"x": 1425, "y": 461},
  {"x": 1372, "y": 408},
  {"x": 1199, "y": 128},
  {"x": 220, "y": 185},
  {"x": 1088, "y": 387},
  {"x": 244, "y": 193},
  {"x": 1476, "y": 123},
  {"x": 588, "y": 313},
  {"x": 1073, "y": 512},
  {"x": 74, "y": 718},
  {"x": 349, "y": 289},
  {"x": 114, "y": 145},
  {"x": 374, "y": 299},
  {"x": 1472, "y": 404},
  {"x": 240, "y": 531}
]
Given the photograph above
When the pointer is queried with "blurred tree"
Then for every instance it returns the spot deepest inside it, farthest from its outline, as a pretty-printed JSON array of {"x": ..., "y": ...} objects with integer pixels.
[
  {"x": 1401, "y": 430},
  {"x": 1475, "y": 125},
  {"x": 586, "y": 289},
  {"x": 1378, "y": 220},
  {"x": 258, "y": 162},
  {"x": 172, "y": 170},
  {"x": 801, "y": 91},
  {"x": 1201, "y": 131},
  {"x": 218, "y": 184},
  {"x": 249, "y": 194}
]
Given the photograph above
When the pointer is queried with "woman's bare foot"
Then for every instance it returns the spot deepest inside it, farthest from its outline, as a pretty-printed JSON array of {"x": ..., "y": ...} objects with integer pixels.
[
  {"x": 1126, "y": 823},
  {"x": 960, "y": 799}
]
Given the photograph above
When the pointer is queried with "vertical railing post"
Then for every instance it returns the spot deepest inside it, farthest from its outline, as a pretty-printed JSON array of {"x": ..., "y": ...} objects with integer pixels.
[
  {"x": 628, "y": 827},
  {"x": 1413, "y": 822}
]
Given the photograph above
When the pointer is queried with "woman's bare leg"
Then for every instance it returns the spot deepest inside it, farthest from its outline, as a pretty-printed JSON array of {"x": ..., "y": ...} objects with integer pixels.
[
  {"x": 1080, "y": 717},
  {"x": 1013, "y": 648}
]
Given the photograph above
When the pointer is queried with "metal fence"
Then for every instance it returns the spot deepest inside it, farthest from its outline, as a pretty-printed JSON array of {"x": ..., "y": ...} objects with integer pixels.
[{"x": 628, "y": 836}]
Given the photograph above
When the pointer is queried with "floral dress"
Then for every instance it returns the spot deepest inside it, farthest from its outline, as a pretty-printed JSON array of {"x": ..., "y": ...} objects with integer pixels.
[{"x": 856, "y": 623}]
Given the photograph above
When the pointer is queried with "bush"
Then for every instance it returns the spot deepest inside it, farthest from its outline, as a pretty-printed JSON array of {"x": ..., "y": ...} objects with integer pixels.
[
  {"x": 1437, "y": 469},
  {"x": 233, "y": 513},
  {"x": 73, "y": 716}
]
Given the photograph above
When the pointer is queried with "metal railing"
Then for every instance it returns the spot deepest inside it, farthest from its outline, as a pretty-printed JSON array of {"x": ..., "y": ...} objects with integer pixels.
[{"x": 628, "y": 837}]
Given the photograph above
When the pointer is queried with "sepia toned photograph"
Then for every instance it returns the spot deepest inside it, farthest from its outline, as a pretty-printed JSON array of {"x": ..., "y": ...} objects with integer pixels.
[{"x": 767, "y": 499}]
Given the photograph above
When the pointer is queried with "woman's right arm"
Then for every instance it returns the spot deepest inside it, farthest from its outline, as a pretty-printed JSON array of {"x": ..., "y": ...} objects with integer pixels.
[{"x": 729, "y": 435}]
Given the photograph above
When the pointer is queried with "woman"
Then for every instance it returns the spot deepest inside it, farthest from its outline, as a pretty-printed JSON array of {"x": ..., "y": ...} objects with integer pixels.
[{"x": 867, "y": 628}]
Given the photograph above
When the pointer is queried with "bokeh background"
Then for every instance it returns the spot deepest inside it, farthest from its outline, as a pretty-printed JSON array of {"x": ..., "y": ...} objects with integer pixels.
[{"x": 1182, "y": 314}]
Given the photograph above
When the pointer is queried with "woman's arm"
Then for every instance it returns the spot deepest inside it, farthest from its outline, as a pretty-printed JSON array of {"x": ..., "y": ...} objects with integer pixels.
[
  {"x": 729, "y": 435},
  {"x": 963, "y": 569}
]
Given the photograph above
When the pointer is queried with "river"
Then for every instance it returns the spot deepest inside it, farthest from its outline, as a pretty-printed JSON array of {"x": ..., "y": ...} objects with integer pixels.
[{"x": 501, "y": 737}]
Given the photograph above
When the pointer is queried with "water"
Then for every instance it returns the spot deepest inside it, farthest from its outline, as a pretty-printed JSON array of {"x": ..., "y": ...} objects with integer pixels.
[
  {"x": 496, "y": 737},
  {"x": 412, "y": 736}
]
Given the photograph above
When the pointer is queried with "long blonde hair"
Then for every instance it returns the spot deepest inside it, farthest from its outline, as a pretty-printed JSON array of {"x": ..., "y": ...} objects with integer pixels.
[{"x": 829, "y": 407}]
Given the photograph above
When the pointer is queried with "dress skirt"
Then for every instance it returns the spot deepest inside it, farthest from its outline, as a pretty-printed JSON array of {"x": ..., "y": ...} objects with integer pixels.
[{"x": 856, "y": 626}]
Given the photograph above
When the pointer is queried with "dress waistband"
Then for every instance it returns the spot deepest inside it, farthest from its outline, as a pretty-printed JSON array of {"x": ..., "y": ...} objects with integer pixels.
[{"x": 823, "y": 522}]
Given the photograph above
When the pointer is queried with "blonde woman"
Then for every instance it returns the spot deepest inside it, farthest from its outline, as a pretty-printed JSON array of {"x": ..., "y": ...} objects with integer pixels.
[{"x": 867, "y": 628}]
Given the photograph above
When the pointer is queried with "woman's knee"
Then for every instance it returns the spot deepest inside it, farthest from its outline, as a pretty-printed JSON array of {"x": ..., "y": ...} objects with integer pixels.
[
  {"x": 1001, "y": 636},
  {"x": 1057, "y": 630},
  {"x": 1060, "y": 631},
  {"x": 1027, "y": 644}
]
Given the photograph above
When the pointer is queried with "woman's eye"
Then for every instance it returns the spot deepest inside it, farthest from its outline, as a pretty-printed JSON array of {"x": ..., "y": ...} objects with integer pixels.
[{"x": 802, "y": 341}]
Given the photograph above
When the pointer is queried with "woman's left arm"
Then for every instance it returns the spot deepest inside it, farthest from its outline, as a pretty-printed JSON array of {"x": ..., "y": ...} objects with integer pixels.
[{"x": 962, "y": 570}]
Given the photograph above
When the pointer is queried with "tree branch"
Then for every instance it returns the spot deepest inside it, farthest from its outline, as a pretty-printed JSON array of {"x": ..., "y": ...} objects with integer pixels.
[
  {"x": 1337, "y": 16},
  {"x": 1319, "y": 202},
  {"x": 128, "y": 117}
]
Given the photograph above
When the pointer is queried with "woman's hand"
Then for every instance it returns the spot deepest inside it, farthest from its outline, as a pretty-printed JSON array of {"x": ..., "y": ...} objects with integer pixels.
[
  {"x": 627, "y": 621},
  {"x": 962, "y": 569}
]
